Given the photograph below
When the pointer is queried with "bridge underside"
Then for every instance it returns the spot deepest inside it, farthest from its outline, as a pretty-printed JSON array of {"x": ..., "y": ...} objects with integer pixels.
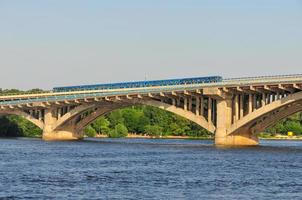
[{"x": 71, "y": 125}]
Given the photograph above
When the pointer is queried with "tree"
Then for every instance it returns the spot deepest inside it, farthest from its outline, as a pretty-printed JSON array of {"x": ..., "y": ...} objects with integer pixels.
[
  {"x": 120, "y": 130},
  {"x": 293, "y": 126},
  {"x": 131, "y": 118},
  {"x": 153, "y": 130},
  {"x": 89, "y": 131},
  {"x": 115, "y": 118},
  {"x": 101, "y": 125}
]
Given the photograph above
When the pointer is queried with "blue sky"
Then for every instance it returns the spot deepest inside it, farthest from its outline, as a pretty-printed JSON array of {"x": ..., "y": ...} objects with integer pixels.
[{"x": 66, "y": 42}]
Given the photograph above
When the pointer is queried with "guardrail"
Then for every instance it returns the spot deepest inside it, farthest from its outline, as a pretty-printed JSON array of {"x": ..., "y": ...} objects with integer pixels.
[{"x": 263, "y": 77}]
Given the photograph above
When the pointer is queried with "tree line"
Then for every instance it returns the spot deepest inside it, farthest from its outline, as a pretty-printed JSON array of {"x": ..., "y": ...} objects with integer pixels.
[{"x": 144, "y": 120}]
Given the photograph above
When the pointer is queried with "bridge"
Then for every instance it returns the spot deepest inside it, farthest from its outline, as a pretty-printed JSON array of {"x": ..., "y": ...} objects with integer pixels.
[{"x": 235, "y": 110}]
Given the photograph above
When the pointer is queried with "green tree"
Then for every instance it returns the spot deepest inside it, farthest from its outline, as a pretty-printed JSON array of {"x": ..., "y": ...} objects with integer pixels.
[
  {"x": 115, "y": 118},
  {"x": 293, "y": 126},
  {"x": 89, "y": 131},
  {"x": 120, "y": 130},
  {"x": 16, "y": 126},
  {"x": 101, "y": 125},
  {"x": 153, "y": 130},
  {"x": 131, "y": 118}
]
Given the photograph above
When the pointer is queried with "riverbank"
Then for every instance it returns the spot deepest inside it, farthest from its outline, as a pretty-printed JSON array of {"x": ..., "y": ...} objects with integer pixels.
[
  {"x": 135, "y": 136},
  {"x": 265, "y": 136},
  {"x": 280, "y": 138},
  {"x": 262, "y": 137}
]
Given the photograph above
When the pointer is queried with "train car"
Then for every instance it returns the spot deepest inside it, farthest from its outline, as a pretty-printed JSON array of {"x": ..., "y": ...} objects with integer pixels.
[{"x": 138, "y": 84}]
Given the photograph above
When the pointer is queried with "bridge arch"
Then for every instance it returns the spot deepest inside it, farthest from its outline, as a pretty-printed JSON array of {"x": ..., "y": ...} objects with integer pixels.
[
  {"x": 277, "y": 116},
  {"x": 72, "y": 114},
  {"x": 268, "y": 115},
  {"x": 25, "y": 115},
  {"x": 106, "y": 107}
]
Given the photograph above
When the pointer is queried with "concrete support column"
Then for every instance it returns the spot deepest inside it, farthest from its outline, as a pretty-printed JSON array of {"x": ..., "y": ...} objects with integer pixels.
[
  {"x": 190, "y": 104},
  {"x": 177, "y": 101},
  {"x": 49, "y": 121},
  {"x": 236, "y": 108},
  {"x": 224, "y": 120},
  {"x": 250, "y": 108},
  {"x": 254, "y": 102},
  {"x": 51, "y": 132},
  {"x": 241, "y": 107},
  {"x": 173, "y": 102},
  {"x": 59, "y": 113},
  {"x": 273, "y": 97},
  {"x": 268, "y": 98},
  {"x": 263, "y": 99},
  {"x": 197, "y": 108},
  {"x": 278, "y": 96},
  {"x": 185, "y": 103},
  {"x": 209, "y": 110},
  {"x": 40, "y": 114},
  {"x": 202, "y": 106}
]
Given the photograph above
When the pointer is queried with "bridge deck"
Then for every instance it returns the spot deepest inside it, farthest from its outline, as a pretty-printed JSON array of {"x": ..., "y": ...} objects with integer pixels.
[{"x": 232, "y": 82}]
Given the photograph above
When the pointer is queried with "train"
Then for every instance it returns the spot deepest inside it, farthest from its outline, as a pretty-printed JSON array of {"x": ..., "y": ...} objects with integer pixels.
[{"x": 139, "y": 84}]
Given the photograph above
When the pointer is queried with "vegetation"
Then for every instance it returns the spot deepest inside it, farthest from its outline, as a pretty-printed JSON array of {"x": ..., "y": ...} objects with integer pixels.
[
  {"x": 16, "y": 126},
  {"x": 16, "y": 91},
  {"x": 290, "y": 124},
  {"x": 144, "y": 120}
]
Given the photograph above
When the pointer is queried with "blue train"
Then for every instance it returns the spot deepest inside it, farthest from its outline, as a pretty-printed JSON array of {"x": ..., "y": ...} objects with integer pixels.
[{"x": 138, "y": 84}]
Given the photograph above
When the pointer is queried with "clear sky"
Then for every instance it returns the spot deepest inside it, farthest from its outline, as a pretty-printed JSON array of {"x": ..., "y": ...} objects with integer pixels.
[{"x": 68, "y": 42}]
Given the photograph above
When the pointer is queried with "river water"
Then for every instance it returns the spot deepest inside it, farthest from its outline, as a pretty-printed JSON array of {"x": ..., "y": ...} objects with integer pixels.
[{"x": 148, "y": 169}]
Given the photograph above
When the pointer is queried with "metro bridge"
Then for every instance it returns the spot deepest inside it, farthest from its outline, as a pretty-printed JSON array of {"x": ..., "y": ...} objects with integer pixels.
[{"x": 235, "y": 110}]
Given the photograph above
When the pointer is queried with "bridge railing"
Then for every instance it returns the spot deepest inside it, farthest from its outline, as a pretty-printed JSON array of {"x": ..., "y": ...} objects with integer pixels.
[{"x": 263, "y": 78}]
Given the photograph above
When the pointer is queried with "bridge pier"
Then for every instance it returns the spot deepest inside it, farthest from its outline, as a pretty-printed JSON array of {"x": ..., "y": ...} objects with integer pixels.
[
  {"x": 67, "y": 132},
  {"x": 60, "y": 135},
  {"x": 243, "y": 137}
]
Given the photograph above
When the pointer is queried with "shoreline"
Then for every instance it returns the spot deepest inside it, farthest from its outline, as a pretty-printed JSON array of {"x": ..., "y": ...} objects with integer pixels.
[
  {"x": 276, "y": 138},
  {"x": 133, "y": 136}
]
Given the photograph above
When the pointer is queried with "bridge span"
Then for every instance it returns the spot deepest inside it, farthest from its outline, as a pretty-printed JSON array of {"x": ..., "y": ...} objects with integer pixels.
[{"x": 236, "y": 110}]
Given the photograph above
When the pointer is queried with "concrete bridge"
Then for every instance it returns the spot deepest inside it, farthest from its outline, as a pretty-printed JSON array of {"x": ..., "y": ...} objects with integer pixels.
[{"x": 234, "y": 109}]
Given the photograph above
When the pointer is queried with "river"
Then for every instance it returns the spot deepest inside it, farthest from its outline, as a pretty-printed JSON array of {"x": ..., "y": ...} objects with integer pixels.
[{"x": 148, "y": 169}]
